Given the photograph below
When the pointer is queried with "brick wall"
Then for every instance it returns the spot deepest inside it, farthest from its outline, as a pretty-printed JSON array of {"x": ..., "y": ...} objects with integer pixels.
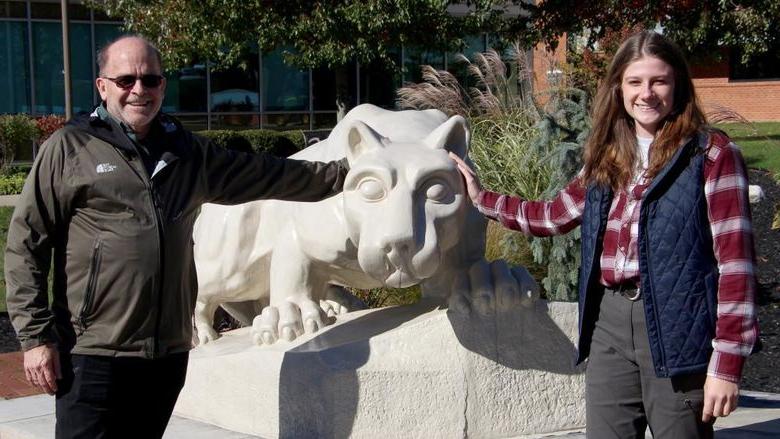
[
  {"x": 546, "y": 65},
  {"x": 754, "y": 100}
]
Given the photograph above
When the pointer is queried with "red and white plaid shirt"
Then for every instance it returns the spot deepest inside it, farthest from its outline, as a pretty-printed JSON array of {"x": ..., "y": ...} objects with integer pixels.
[{"x": 726, "y": 192}]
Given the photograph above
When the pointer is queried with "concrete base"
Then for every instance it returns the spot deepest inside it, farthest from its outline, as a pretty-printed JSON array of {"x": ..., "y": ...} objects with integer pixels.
[{"x": 412, "y": 371}]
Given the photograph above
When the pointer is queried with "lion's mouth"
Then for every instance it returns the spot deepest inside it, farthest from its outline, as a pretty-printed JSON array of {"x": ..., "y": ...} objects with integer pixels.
[
  {"x": 400, "y": 279},
  {"x": 398, "y": 272}
]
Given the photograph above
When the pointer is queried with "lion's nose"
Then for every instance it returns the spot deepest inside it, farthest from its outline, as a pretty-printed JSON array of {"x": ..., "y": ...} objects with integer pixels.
[{"x": 399, "y": 246}]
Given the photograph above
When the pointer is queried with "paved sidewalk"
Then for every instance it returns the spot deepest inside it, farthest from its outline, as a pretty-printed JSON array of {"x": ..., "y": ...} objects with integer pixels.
[
  {"x": 8, "y": 200},
  {"x": 32, "y": 417}
]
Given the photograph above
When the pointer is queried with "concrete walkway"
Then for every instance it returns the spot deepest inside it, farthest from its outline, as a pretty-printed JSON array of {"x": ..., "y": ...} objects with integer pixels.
[
  {"x": 32, "y": 417},
  {"x": 8, "y": 200}
]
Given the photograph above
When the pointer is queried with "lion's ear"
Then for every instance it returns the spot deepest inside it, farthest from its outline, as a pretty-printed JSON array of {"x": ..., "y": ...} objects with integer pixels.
[
  {"x": 360, "y": 138},
  {"x": 453, "y": 135}
]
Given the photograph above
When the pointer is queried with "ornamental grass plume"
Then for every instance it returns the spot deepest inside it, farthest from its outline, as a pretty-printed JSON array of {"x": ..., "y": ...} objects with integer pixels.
[{"x": 501, "y": 86}]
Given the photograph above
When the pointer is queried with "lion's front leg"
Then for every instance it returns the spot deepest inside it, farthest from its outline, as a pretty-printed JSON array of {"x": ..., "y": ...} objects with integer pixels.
[{"x": 294, "y": 307}]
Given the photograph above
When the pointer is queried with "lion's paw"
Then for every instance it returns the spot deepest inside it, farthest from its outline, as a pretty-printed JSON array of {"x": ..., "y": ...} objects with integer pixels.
[
  {"x": 488, "y": 287},
  {"x": 206, "y": 334},
  {"x": 339, "y": 300},
  {"x": 289, "y": 320}
]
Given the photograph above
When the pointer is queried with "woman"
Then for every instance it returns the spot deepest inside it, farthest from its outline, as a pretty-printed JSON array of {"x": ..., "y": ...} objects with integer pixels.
[{"x": 667, "y": 285}]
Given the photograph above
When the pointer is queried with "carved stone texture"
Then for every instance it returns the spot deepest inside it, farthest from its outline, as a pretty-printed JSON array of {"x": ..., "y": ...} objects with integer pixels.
[
  {"x": 414, "y": 371},
  {"x": 403, "y": 219}
]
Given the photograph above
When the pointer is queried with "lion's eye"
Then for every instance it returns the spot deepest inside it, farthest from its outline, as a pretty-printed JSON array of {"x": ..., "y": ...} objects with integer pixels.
[
  {"x": 371, "y": 189},
  {"x": 438, "y": 192}
]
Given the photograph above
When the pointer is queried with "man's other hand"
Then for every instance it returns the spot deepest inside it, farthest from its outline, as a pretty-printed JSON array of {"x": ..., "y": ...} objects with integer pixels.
[{"x": 42, "y": 367}]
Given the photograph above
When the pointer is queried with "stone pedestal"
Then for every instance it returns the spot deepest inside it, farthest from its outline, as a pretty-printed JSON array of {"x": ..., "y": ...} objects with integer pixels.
[{"x": 412, "y": 371}]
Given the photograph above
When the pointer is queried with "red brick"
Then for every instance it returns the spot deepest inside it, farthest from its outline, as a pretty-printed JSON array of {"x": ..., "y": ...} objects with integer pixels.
[{"x": 13, "y": 383}]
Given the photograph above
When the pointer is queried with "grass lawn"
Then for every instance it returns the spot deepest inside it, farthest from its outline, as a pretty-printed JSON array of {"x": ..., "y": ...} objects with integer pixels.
[
  {"x": 760, "y": 143},
  {"x": 5, "y": 218}
]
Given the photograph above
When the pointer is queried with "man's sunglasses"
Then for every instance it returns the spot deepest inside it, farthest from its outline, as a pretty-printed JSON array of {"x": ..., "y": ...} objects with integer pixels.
[{"x": 126, "y": 82}]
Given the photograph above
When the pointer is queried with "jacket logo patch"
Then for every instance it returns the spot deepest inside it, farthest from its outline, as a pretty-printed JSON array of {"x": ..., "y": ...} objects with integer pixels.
[{"x": 105, "y": 167}]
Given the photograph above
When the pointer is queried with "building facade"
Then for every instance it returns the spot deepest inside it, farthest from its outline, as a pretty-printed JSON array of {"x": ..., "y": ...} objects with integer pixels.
[
  {"x": 751, "y": 90},
  {"x": 267, "y": 94}
]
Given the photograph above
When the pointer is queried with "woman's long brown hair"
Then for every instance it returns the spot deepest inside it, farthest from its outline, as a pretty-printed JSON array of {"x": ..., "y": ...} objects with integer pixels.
[{"x": 611, "y": 150}]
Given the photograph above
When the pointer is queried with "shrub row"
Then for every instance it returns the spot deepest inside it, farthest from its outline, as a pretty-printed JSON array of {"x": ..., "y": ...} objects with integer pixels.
[{"x": 12, "y": 183}]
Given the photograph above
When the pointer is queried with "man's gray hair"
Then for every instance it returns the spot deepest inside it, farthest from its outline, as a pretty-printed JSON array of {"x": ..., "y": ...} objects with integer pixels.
[{"x": 102, "y": 53}]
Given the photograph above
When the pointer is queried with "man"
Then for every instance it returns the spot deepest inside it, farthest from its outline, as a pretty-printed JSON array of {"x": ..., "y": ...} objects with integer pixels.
[{"x": 113, "y": 197}]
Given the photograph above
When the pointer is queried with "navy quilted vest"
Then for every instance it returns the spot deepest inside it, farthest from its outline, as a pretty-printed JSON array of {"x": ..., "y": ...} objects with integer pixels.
[{"x": 678, "y": 270}]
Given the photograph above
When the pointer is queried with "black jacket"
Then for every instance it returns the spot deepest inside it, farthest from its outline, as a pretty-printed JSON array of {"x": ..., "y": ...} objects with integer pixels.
[{"x": 124, "y": 275}]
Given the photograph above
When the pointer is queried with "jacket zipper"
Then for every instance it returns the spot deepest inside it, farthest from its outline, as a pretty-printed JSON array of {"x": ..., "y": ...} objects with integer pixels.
[
  {"x": 89, "y": 297},
  {"x": 160, "y": 259},
  {"x": 157, "y": 284}
]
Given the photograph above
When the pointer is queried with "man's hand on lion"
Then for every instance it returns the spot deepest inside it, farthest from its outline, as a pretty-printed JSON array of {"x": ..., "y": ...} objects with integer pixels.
[{"x": 488, "y": 287}]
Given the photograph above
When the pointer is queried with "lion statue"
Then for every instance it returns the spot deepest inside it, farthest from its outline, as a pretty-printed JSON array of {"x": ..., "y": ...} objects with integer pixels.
[{"x": 403, "y": 219}]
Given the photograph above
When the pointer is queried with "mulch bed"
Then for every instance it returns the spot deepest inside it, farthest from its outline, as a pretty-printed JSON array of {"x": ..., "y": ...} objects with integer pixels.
[
  {"x": 8, "y": 342},
  {"x": 761, "y": 371}
]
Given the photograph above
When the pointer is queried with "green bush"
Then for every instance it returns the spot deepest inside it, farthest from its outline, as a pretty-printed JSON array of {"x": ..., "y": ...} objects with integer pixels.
[
  {"x": 279, "y": 143},
  {"x": 12, "y": 183},
  {"x": 17, "y": 134}
]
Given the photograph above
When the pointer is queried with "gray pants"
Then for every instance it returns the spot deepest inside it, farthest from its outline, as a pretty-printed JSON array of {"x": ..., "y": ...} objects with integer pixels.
[{"x": 623, "y": 395}]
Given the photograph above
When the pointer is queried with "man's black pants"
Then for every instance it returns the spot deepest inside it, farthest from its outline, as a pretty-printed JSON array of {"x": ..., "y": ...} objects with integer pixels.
[{"x": 117, "y": 397}]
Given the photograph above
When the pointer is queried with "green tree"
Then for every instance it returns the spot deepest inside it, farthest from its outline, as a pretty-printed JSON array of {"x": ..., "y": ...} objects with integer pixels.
[
  {"x": 322, "y": 33},
  {"x": 699, "y": 26}
]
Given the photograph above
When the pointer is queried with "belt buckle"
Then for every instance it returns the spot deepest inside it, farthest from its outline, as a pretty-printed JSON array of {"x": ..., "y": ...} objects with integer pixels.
[{"x": 629, "y": 292}]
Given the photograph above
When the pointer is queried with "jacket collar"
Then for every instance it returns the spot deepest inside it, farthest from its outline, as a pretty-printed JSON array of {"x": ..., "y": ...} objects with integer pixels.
[{"x": 111, "y": 131}]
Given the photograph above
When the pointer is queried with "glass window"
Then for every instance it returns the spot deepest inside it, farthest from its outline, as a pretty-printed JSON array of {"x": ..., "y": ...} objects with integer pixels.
[
  {"x": 324, "y": 86},
  {"x": 77, "y": 12},
  {"x": 99, "y": 15},
  {"x": 104, "y": 33},
  {"x": 378, "y": 83},
  {"x": 286, "y": 121},
  {"x": 193, "y": 122},
  {"x": 53, "y": 11},
  {"x": 236, "y": 89},
  {"x": 45, "y": 10},
  {"x": 13, "y": 9},
  {"x": 324, "y": 121},
  {"x": 47, "y": 62},
  {"x": 285, "y": 88},
  {"x": 49, "y": 71},
  {"x": 14, "y": 68},
  {"x": 472, "y": 44},
  {"x": 235, "y": 122},
  {"x": 186, "y": 89},
  {"x": 414, "y": 58},
  {"x": 500, "y": 45},
  {"x": 766, "y": 66},
  {"x": 81, "y": 76}
]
